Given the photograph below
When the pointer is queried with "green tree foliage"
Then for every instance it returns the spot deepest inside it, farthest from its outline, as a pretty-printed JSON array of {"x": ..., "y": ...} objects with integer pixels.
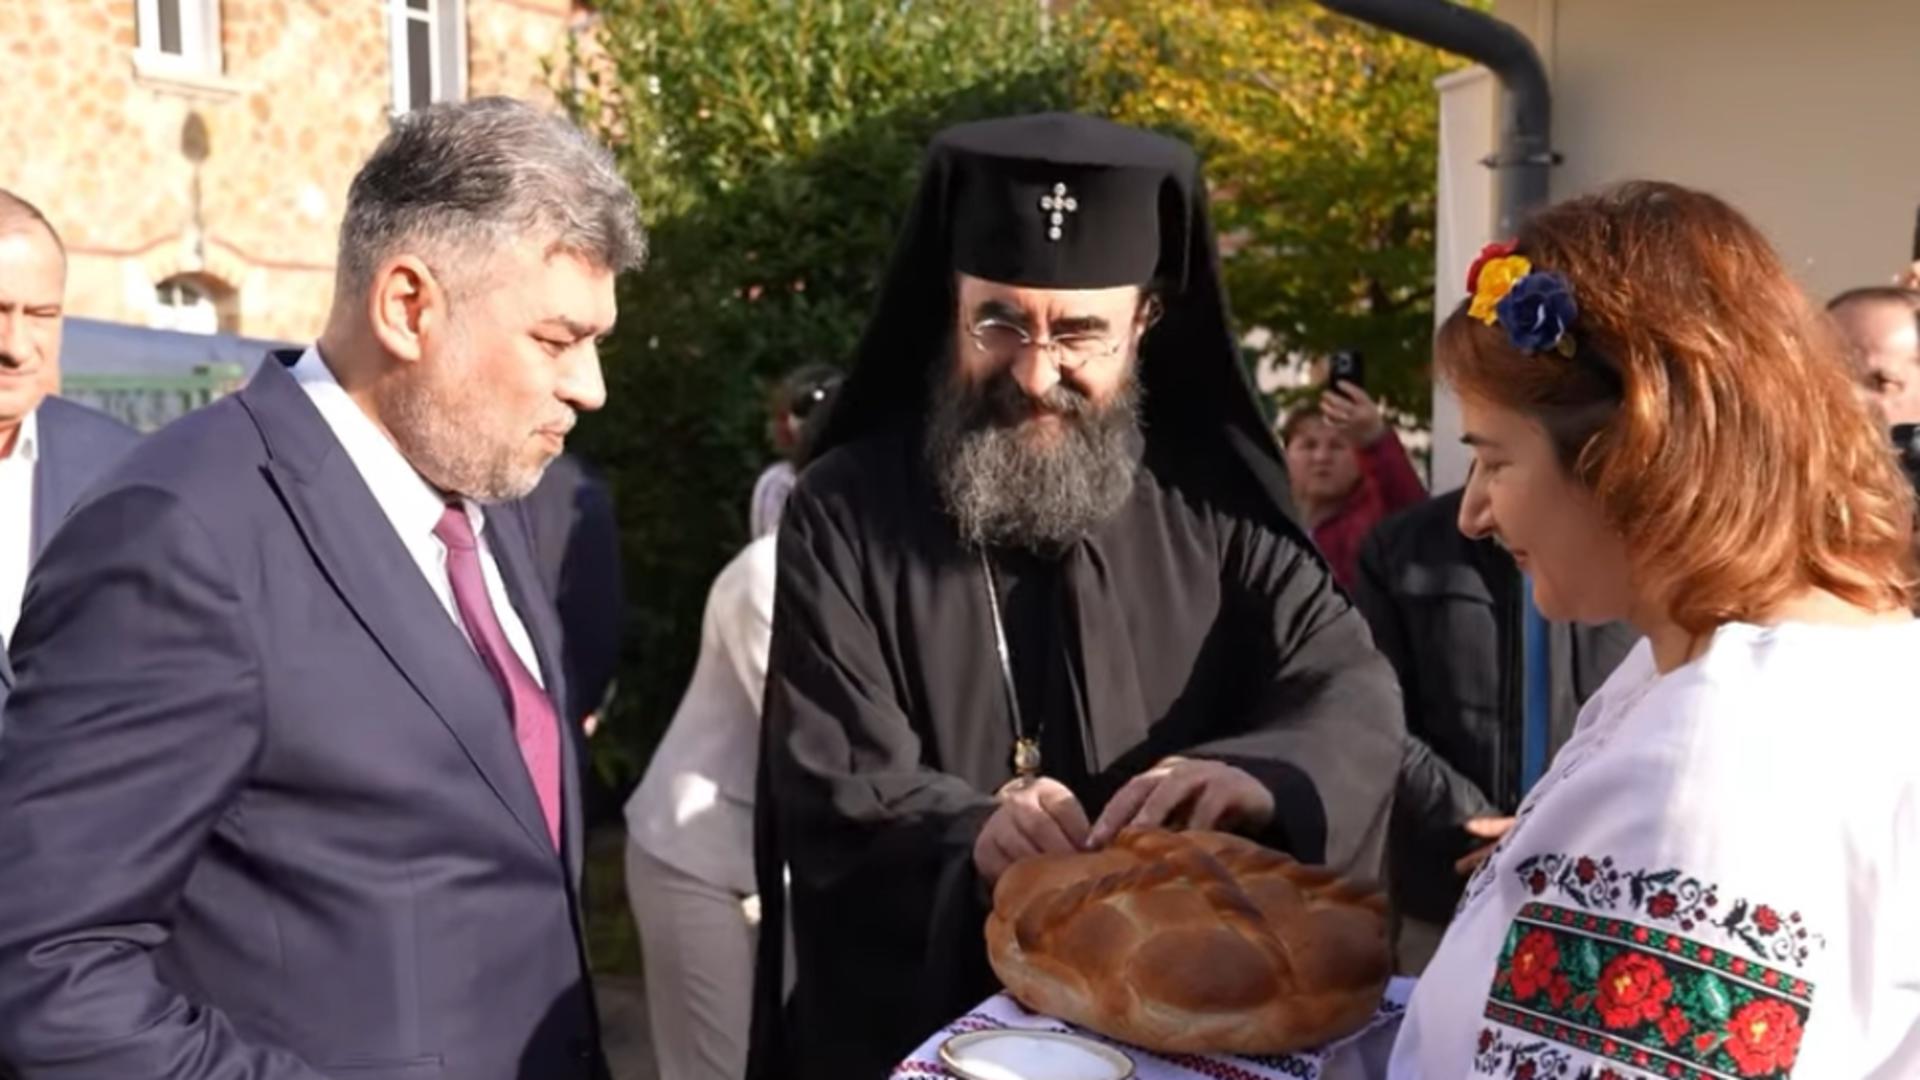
[
  {"x": 1320, "y": 135},
  {"x": 774, "y": 144}
]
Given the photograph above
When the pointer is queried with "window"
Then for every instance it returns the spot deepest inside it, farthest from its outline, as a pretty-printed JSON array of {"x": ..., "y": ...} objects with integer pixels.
[
  {"x": 185, "y": 304},
  {"x": 182, "y": 35},
  {"x": 429, "y": 52}
]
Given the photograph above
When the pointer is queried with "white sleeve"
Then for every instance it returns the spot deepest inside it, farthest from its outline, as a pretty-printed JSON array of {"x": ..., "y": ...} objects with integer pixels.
[{"x": 746, "y": 621}]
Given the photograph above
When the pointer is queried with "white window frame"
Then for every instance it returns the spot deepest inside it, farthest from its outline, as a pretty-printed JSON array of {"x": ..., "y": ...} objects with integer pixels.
[
  {"x": 200, "y": 317},
  {"x": 199, "y": 37},
  {"x": 446, "y": 50}
]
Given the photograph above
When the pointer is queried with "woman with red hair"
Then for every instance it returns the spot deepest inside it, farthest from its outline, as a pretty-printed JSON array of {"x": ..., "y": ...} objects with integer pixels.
[{"x": 1718, "y": 874}]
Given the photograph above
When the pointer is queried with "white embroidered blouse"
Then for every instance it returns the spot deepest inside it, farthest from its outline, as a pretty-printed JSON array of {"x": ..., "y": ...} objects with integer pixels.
[{"x": 1719, "y": 876}]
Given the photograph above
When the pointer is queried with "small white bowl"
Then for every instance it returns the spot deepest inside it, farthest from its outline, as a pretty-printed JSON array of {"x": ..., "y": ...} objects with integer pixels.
[{"x": 1012, "y": 1054}]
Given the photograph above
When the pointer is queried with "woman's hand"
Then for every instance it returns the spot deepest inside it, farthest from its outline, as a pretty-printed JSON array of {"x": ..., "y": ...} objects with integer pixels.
[{"x": 1353, "y": 414}]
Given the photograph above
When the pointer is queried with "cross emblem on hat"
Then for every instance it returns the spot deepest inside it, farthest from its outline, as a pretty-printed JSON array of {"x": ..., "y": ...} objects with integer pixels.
[{"x": 1058, "y": 205}]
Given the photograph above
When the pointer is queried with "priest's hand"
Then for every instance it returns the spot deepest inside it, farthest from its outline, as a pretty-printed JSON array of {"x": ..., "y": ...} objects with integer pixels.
[
  {"x": 1035, "y": 817},
  {"x": 1186, "y": 793}
]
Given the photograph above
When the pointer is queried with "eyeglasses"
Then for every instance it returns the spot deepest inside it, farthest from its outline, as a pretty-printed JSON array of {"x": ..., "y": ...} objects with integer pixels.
[{"x": 1069, "y": 352}]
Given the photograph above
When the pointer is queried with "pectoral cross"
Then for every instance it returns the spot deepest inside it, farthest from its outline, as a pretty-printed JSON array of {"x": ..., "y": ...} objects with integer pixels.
[{"x": 1057, "y": 206}]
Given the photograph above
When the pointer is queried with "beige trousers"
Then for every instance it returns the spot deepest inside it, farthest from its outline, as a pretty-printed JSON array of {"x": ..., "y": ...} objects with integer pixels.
[{"x": 696, "y": 944}]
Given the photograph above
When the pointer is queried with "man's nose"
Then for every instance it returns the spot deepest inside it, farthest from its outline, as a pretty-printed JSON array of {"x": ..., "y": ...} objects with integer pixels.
[
  {"x": 13, "y": 339},
  {"x": 1034, "y": 372},
  {"x": 581, "y": 383}
]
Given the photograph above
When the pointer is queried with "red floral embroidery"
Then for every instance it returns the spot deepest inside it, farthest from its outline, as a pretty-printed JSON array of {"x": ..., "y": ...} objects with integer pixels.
[
  {"x": 1763, "y": 1037},
  {"x": 1663, "y": 1007},
  {"x": 1537, "y": 882},
  {"x": 1663, "y": 905},
  {"x": 1534, "y": 963},
  {"x": 1585, "y": 870},
  {"x": 1558, "y": 990},
  {"x": 1633, "y": 988},
  {"x": 1674, "y": 1026},
  {"x": 1767, "y": 919}
]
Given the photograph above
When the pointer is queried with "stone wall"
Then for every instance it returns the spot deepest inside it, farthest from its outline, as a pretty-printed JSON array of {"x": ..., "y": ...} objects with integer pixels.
[{"x": 306, "y": 93}]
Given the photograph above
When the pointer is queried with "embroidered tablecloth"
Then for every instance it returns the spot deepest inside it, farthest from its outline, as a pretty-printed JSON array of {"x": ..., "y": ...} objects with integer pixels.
[{"x": 1360, "y": 1056}]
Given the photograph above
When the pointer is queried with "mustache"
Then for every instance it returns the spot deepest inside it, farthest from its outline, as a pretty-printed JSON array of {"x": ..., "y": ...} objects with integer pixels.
[{"x": 1001, "y": 402}]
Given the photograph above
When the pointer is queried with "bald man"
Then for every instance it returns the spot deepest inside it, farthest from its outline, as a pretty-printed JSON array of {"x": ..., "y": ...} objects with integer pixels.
[
  {"x": 50, "y": 450},
  {"x": 1881, "y": 325}
]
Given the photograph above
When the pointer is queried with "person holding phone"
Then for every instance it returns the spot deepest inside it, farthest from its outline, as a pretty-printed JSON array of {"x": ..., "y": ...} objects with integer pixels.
[{"x": 1348, "y": 467}]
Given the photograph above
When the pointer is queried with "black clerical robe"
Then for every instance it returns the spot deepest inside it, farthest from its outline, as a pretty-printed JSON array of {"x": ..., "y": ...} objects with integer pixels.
[{"x": 1186, "y": 624}]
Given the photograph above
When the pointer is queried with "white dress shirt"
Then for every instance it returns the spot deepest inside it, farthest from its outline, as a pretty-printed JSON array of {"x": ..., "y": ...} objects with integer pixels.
[
  {"x": 16, "y": 521},
  {"x": 411, "y": 504}
]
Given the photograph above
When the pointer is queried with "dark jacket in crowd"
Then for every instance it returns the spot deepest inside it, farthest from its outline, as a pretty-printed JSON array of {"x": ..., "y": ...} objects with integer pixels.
[
  {"x": 1446, "y": 612},
  {"x": 576, "y": 542},
  {"x": 77, "y": 444}
]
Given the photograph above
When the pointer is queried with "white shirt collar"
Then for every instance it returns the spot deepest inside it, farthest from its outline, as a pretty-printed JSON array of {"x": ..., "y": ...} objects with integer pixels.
[
  {"x": 413, "y": 505},
  {"x": 26, "y": 445}
]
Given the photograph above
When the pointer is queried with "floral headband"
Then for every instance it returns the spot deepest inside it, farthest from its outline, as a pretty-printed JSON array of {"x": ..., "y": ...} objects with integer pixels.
[{"x": 1534, "y": 307}]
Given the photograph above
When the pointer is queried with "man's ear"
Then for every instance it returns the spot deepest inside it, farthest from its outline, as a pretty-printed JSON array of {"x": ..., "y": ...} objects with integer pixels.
[
  {"x": 406, "y": 304},
  {"x": 1151, "y": 309}
]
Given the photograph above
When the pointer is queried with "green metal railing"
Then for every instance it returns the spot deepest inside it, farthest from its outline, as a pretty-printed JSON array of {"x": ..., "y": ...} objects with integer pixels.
[{"x": 148, "y": 402}]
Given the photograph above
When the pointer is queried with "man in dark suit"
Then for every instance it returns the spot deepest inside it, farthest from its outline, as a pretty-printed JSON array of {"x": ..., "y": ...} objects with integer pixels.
[
  {"x": 50, "y": 450},
  {"x": 286, "y": 793}
]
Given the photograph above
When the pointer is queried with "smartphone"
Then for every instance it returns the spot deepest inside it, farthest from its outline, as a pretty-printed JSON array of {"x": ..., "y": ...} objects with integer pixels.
[{"x": 1347, "y": 366}]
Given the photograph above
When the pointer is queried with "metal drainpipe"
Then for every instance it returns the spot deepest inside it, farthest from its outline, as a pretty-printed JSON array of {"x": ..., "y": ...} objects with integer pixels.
[
  {"x": 1526, "y": 145},
  {"x": 1521, "y": 163}
]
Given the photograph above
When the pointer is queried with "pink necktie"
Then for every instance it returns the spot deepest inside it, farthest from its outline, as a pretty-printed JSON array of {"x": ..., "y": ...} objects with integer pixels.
[{"x": 535, "y": 725}]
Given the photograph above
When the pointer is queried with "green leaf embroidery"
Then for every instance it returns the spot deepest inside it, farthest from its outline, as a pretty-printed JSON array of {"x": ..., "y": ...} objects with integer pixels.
[
  {"x": 1586, "y": 961},
  {"x": 1713, "y": 997}
]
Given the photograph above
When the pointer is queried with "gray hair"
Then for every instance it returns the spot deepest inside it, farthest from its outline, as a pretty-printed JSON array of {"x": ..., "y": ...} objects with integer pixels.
[{"x": 471, "y": 176}]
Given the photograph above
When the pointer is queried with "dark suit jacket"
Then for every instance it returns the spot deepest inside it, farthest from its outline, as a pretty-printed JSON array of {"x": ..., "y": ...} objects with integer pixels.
[
  {"x": 77, "y": 444},
  {"x": 262, "y": 814},
  {"x": 576, "y": 541}
]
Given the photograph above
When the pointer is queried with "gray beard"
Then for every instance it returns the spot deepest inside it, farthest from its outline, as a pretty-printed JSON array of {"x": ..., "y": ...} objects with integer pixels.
[{"x": 1002, "y": 490}]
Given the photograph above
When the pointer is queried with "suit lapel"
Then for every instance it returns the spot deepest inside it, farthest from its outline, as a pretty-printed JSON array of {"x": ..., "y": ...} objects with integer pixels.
[
  {"x": 355, "y": 545},
  {"x": 509, "y": 541}
]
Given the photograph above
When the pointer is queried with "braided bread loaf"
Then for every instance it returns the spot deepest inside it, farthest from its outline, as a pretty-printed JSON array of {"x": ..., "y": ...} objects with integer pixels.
[{"x": 1196, "y": 942}]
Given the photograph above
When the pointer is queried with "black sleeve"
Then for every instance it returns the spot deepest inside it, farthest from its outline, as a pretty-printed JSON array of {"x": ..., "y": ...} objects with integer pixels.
[
  {"x": 1323, "y": 730},
  {"x": 884, "y": 898},
  {"x": 845, "y": 763}
]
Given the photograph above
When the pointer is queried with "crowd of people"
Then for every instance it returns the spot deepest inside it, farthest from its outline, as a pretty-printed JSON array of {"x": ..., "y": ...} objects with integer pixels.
[{"x": 292, "y": 732}]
